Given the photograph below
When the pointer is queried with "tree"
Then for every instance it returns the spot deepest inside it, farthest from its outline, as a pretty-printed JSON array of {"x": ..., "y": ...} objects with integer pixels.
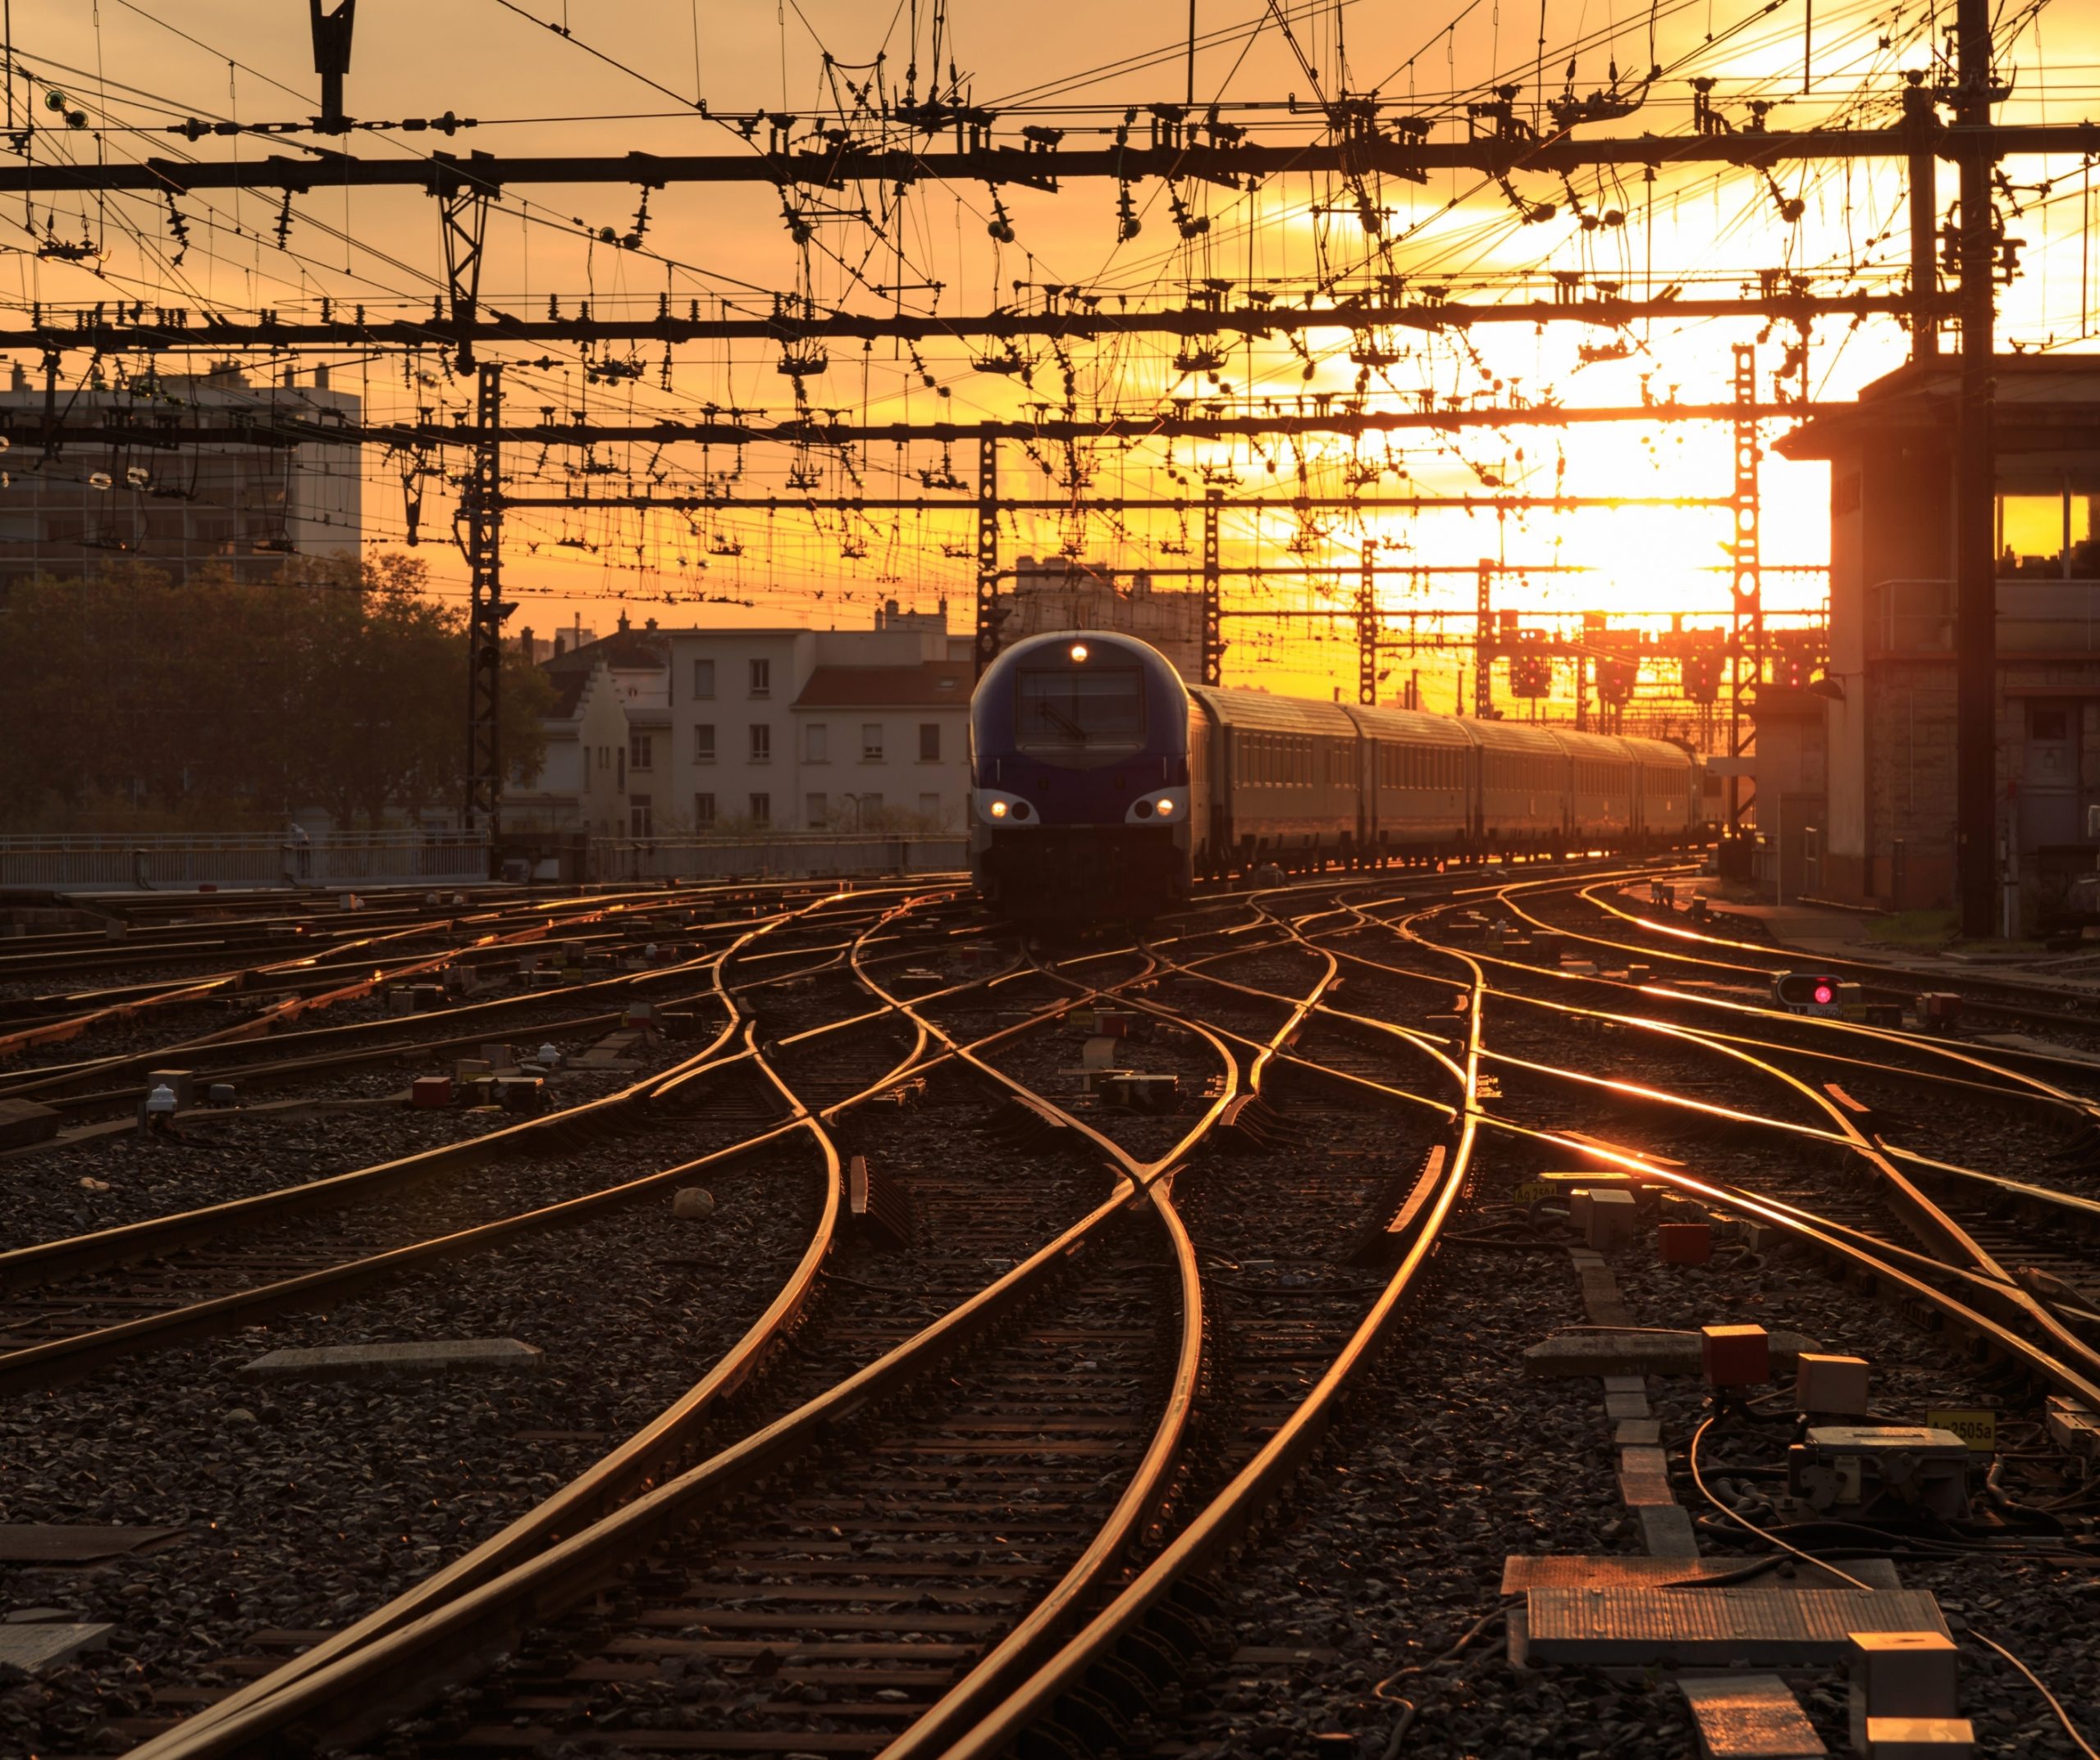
[{"x": 335, "y": 684}]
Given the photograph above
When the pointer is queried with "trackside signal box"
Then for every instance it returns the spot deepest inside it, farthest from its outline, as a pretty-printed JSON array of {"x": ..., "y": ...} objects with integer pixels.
[{"x": 1817, "y": 993}]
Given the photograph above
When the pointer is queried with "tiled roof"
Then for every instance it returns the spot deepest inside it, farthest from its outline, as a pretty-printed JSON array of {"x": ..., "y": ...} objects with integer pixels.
[
  {"x": 631, "y": 650},
  {"x": 935, "y": 684}
]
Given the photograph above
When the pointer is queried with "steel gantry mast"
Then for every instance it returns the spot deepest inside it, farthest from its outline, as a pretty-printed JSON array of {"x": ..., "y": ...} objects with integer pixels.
[
  {"x": 1975, "y": 499},
  {"x": 1367, "y": 626},
  {"x": 1746, "y": 578},
  {"x": 1213, "y": 591},
  {"x": 988, "y": 550},
  {"x": 1380, "y": 143},
  {"x": 480, "y": 510}
]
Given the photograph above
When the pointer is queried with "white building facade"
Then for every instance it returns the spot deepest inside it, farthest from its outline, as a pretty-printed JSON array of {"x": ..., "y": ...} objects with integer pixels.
[
  {"x": 582, "y": 781},
  {"x": 749, "y": 731}
]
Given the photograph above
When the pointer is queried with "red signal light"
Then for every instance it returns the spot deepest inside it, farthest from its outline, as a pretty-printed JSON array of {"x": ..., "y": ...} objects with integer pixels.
[{"x": 1824, "y": 995}]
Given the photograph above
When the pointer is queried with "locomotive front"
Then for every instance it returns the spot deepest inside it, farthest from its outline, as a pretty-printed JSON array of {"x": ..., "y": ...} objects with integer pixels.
[{"x": 1079, "y": 806}]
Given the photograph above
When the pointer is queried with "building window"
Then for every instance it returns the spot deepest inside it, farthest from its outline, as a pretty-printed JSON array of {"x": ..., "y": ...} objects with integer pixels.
[
  {"x": 703, "y": 811},
  {"x": 703, "y": 743},
  {"x": 815, "y": 810},
  {"x": 871, "y": 741},
  {"x": 2050, "y": 536},
  {"x": 761, "y": 809},
  {"x": 639, "y": 746},
  {"x": 641, "y": 822},
  {"x": 761, "y": 678},
  {"x": 929, "y": 742},
  {"x": 620, "y": 752},
  {"x": 703, "y": 679},
  {"x": 816, "y": 743},
  {"x": 762, "y": 742},
  {"x": 929, "y": 808}
]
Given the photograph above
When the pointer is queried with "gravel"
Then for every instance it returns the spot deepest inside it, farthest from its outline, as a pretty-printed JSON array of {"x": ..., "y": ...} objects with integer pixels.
[{"x": 306, "y": 1505}]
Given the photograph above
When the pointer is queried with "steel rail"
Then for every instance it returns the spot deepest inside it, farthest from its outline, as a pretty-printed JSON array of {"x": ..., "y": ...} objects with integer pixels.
[
  {"x": 617, "y": 1476},
  {"x": 609, "y": 1482},
  {"x": 1229, "y": 1514},
  {"x": 1805, "y": 1225},
  {"x": 1975, "y": 988},
  {"x": 264, "y": 1024},
  {"x": 2064, "y": 1200},
  {"x": 338, "y": 1695},
  {"x": 1918, "y": 1043},
  {"x": 1028, "y": 1645},
  {"x": 1933, "y": 1222},
  {"x": 39, "y": 1265},
  {"x": 604, "y": 910},
  {"x": 31, "y": 1266}
]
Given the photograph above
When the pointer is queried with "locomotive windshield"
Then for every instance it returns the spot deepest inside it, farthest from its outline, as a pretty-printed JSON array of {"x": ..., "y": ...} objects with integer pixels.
[{"x": 1076, "y": 708}]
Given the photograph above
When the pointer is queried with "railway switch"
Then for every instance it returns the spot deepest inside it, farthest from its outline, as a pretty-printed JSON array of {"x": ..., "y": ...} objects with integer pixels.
[
  {"x": 1831, "y": 1386},
  {"x": 1853, "y": 1471},
  {"x": 1735, "y": 1355}
]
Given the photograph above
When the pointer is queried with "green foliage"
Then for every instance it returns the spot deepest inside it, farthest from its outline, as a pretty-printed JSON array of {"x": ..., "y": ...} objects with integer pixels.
[
  {"x": 1916, "y": 928},
  {"x": 334, "y": 686}
]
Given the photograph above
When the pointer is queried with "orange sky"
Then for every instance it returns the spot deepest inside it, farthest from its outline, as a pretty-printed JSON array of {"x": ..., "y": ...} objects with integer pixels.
[{"x": 140, "y": 63}]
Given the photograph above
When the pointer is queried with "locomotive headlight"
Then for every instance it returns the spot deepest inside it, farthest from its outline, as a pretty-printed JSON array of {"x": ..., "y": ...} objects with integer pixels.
[
  {"x": 996, "y": 807},
  {"x": 1168, "y": 804},
  {"x": 1079, "y": 650}
]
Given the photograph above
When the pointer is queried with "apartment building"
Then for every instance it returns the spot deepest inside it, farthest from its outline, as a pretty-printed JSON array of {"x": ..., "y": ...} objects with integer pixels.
[{"x": 242, "y": 509}]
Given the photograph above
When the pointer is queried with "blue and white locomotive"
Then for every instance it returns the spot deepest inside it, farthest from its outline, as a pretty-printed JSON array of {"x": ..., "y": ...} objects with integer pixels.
[{"x": 1103, "y": 787}]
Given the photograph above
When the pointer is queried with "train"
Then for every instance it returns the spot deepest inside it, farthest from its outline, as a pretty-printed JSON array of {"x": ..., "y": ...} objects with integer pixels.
[{"x": 1102, "y": 787}]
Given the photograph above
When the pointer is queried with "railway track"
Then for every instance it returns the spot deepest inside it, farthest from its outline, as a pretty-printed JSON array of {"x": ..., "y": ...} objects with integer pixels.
[
  {"x": 988, "y": 1465},
  {"x": 1004, "y": 1059}
]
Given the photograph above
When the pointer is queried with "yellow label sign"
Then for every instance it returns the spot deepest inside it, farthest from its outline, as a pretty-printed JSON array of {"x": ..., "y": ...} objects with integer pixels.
[
  {"x": 1979, "y": 1430},
  {"x": 1532, "y": 1190}
]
